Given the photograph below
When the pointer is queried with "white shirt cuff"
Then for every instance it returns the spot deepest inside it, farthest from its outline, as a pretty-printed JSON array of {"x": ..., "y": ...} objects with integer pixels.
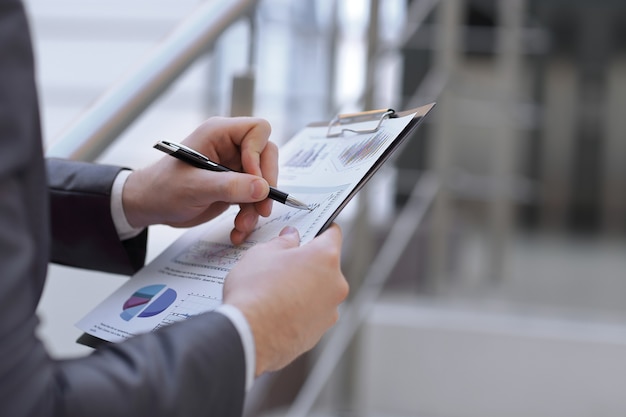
[
  {"x": 124, "y": 230},
  {"x": 247, "y": 339}
]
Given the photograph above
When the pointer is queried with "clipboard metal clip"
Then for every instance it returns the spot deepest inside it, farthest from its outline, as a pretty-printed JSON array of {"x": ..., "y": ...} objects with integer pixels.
[{"x": 335, "y": 127}]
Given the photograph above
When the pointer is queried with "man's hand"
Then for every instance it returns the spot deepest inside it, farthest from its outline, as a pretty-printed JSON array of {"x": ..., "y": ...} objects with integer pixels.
[
  {"x": 174, "y": 193},
  {"x": 288, "y": 293}
]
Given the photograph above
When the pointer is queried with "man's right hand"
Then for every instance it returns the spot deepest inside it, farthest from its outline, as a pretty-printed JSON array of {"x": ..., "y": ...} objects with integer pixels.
[{"x": 289, "y": 294}]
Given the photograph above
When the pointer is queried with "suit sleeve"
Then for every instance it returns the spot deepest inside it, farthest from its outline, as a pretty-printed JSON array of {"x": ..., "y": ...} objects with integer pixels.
[
  {"x": 193, "y": 368},
  {"x": 83, "y": 233}
]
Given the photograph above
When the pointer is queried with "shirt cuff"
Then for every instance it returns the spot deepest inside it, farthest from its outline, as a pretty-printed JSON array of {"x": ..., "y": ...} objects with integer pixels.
[
  {"x": 124, "y": 230},
  {"x": 247, "y": 339}
]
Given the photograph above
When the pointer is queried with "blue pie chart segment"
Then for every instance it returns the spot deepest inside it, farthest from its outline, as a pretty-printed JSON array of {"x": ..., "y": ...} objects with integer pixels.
[
  {"x": 160, "y": 304},
  {"x": 129, "y": 313},
  {"x": 140, "y": 304}
]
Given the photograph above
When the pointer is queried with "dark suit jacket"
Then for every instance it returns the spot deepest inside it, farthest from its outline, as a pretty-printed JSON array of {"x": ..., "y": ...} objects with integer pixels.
[{"x": 194, "y": 368}]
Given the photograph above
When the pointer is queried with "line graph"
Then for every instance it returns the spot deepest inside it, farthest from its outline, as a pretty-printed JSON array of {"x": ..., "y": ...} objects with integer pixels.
[
  {"x": 307, "y": 222},
  {"x": 190, "y": 306},
  {"x": 221, "y": 256},
  {"x": 207, "y": 254}
]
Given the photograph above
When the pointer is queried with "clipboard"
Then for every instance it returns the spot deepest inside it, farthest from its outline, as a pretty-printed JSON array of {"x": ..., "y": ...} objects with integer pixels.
[
  {"x": 342, "y": 123},
  {"x": 379, "y": 132}
]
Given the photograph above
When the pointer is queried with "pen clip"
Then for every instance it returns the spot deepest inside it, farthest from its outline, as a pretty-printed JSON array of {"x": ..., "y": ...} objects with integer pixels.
[{"x": 171, "y": 147}]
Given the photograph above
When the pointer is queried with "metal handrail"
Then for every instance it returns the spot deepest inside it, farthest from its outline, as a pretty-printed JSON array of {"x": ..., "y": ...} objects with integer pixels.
[{"x": 113, "y": 112}]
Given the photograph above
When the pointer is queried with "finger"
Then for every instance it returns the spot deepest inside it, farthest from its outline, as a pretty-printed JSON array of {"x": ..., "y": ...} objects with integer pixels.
[
  {"x": 234, "y": 187},
  {"x": 269, "y": 163},
  {"x": 237, "y": 237},
  {"x": 254, "y": 144},
  {"x": 269, "y": 167},
  {"x": 224, "y": 138},
  {"x": 330, "y": 239},
  {"x": 248, "y": 135},
  {"x": 247, "y": 218},
  {"x": 264, "y": 208},
  {"x": 244, "y": 224},
  {"x": 252, "y": 129},
  {"x": 289, "y": 237},
  {"x": 333, "y": 233}
]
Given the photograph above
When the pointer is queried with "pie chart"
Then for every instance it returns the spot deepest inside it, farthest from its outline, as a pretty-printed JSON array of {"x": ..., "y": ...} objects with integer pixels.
[{"x": 144, "y": 304}]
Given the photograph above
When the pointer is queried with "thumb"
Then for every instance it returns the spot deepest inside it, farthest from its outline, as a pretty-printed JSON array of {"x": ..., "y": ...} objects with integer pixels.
[
  {"x": 289, "y": 237},
  {"x": 234, "y": 187}
]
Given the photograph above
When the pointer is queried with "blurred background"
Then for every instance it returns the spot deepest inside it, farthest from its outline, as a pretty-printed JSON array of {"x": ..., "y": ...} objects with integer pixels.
[{"x": 487, "y": 261}]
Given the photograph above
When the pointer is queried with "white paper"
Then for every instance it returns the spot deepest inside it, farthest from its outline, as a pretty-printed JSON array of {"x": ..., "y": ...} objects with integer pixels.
[{"x": 186, "y": 279}]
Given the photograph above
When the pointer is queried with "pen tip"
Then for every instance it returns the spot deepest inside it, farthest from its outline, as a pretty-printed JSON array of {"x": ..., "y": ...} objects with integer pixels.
[{"x": 292, "y": 202}]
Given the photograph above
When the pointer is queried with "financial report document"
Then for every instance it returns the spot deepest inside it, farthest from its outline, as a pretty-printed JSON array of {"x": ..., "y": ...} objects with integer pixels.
[{"x": 186, "y": 279}]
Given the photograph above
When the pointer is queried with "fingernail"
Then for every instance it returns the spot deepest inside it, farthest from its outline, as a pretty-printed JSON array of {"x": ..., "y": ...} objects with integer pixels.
[
  {"x": 288, "y": 230},
  {"x": 258, "y": 189}
]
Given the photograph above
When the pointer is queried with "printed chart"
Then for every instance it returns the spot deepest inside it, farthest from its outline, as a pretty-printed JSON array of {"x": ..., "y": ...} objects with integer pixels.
[
  {"x": 321, "y": 199},
  {"x": 305, "y": 158},
  {"x": 140, "y": 304},
  {"x": 220, "y": 256},
  {"x": 363, "y": 150},
  {"x": 190, "y": 306}
]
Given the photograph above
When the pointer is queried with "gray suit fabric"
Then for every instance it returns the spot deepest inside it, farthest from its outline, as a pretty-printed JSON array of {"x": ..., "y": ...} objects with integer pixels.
[{"x": 195, "y": 368}]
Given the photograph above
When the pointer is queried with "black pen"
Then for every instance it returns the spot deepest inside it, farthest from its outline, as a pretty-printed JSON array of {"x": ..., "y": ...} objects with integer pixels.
[{"x": 198, "y": 160}]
